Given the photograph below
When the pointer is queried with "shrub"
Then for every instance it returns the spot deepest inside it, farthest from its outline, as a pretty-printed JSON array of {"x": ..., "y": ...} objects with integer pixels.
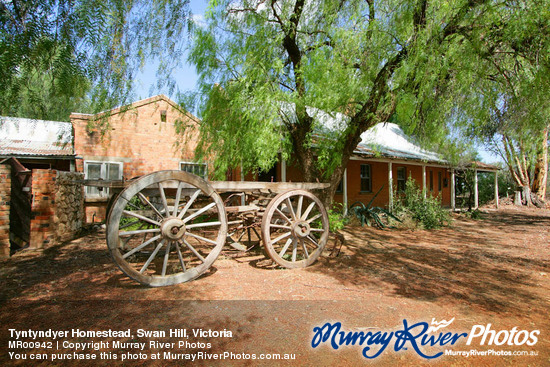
[
  {"x": 336, "y": 218},
  {"x": 425, "y": 211}
]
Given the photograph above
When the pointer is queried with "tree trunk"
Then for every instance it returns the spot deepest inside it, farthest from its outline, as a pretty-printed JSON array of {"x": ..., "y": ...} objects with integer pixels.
[
  {"x": 526, "y": 193},
  {"x": 541, "y": 168},
  {"x": 517, "y": 199}
]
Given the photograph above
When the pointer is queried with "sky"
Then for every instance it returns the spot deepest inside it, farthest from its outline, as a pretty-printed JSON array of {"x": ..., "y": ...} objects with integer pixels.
[{"x": 186, "y": 77}]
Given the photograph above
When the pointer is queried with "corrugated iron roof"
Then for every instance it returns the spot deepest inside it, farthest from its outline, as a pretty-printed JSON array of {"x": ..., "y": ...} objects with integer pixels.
[
  {"x": 389, "y": 141},
  {"x": 385, "y": 139},
  {"x": 31, "y": 137}
]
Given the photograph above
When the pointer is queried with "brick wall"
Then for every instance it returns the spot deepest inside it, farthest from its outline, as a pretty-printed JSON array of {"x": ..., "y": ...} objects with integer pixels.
[
  {"x": 42, "y": 208},
  {"x": 5, "y": 192},
  {"x": 57, "y": 207},
  {"x": 138, "y": 137}
]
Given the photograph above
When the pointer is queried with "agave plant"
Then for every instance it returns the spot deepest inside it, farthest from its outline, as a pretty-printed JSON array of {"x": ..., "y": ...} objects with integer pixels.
[{"x": 367, "y": 214}]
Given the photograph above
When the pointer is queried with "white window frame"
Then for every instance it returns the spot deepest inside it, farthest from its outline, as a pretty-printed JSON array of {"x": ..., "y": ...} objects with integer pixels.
[
  {"x": 105, "y": 192},
  {"x": 195, "y": 164}
]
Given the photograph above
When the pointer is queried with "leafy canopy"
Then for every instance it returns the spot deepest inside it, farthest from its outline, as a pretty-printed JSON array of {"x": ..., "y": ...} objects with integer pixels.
[
  {"x": 262, "y": 63},
  {"x": 58, "y": 56}
]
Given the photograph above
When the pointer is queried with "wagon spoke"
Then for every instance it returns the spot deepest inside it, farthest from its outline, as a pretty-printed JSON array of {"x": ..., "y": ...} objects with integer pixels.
[
  {"x": 317, "y": 229},
  {"x": 180, "y": 257},
  {"x": 189, "y": 203},
  {"x": 131, "y": 233},
  {"x": 312, "y": 241},
  {"x": 302, "y": 242},
  {"x": 139, "y": 216},
  {"x": 315, "y": 217},
  {"x": 166, "y": 255},
  {"x": 143, "y": 198},
  {"x": 133, "y": 251},
  {"x": 201, "y": 238},
  {"x": 193, "y": 250},
  {"x": 177, "y": 201},
  {"x": 198, "y": 212},
  {"x": 283, "y": 215},
  {"x": 285, "y": 247},
  {"x": 151, "y": 257},
  {"x": 294, "y": 249},
  {"x": 308, "y": 210},
  {"x": 280, "y": 226},
  {"x": 205, "y": 224},
  {"x": 299, "y": 208},
  {"x": 289, "y": 204},
  {"x": 129, "y": 224},
  {"x": 284, "y": 235},
  {"x": 163, "y": 198}
]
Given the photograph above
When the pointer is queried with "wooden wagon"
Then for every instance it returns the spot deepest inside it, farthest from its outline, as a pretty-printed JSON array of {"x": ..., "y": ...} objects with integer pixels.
[{"x": 169, "y": 227}]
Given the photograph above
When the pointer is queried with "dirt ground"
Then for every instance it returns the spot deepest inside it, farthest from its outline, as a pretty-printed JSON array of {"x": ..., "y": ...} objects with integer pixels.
[{"x": 494, "y": 270}]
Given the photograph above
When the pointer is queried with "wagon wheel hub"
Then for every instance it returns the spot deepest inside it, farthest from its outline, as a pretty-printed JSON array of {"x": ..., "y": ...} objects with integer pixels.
[
  {"x": 172, "y": 229},
  {"x": 301, "y": 229}
]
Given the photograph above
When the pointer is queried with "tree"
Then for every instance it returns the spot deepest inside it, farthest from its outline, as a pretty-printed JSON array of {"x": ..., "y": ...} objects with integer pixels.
[
  {"x": 266, "y": 66},
  {"x": 57, "y": 56},
  {"x": 497, "y": 91}
]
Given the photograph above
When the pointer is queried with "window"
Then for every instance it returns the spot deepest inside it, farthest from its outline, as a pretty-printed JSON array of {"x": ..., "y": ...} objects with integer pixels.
[
  {"x": 104, "y": 171},
  {"x": 340, "y": 187},
  {"x": 401, "y": 179},
  {"x": 198, "y": 169},
  {"x": 366, "y": 178},
  {"x": 431, "y": 180},
  {"x": 439, "y": 181},
  {"x": 163, "y": 116}
]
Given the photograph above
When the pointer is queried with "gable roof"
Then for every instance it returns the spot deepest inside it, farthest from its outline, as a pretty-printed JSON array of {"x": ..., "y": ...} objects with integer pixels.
[
  {"x": 137, "y": 104},
  {"x": 31, "y": 137}
]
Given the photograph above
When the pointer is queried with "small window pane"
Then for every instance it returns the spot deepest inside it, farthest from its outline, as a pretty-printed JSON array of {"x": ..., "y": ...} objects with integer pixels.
[
  {"x": 114, "y": 172},
  {"x": 401, "y": 179},
  {"x": 93, "y": 171},
  {"x": 366, "y": 181},
  {"x": 198, "y": 169}
]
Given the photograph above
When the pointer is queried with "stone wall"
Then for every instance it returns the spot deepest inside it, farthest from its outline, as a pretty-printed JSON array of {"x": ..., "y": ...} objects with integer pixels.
[
  {"x": 69, "y": 205},
  {"x": 57, "y": 206},
  {"x": 5, "y": 195}
]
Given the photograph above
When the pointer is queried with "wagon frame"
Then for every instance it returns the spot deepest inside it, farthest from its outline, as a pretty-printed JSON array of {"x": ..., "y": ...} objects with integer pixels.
[{"x": 169, "y": 227}]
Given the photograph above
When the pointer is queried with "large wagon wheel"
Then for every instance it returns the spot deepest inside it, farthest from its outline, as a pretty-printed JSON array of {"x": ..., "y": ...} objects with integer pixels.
[
  {"x": 295, "y": 228},
  {"x": 166, "y": 228}
]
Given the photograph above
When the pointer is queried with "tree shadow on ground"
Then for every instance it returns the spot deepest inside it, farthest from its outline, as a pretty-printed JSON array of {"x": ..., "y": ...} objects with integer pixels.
[
  {"x": 78, "y": 269},
  {"x": 489, "y": 263}
]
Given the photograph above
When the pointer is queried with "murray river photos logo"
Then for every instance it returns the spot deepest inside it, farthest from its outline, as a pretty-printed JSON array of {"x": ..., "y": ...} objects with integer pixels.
[{"x": 420, "y": 337}]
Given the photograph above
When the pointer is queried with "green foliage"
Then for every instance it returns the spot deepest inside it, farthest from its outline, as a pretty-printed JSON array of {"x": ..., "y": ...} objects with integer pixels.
[
  {"x": 267, "y": 68},
  {"x": 442, "y": 70},
  {"x": 427, "y": 212},
  {"x": 336, "y": 218},
  {"x": 367, "y": 214},
  {"x": 60, "y": 56}
]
